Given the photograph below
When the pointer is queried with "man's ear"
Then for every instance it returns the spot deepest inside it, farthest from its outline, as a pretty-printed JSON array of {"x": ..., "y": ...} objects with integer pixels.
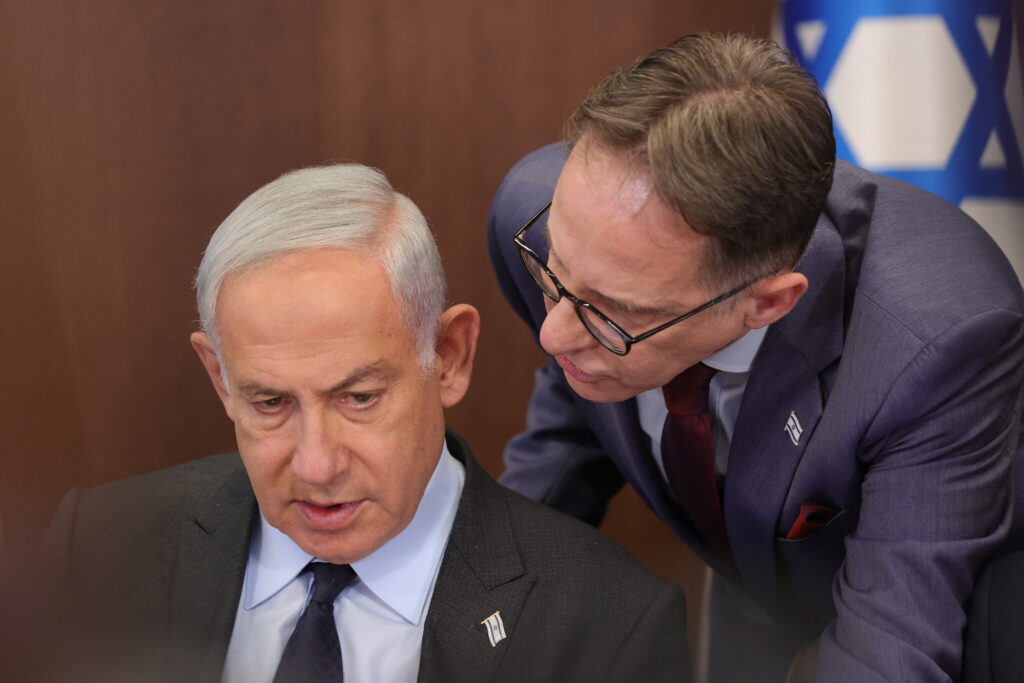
[
  {"x": 208, "y": 357},
  {"x": 456, "y": 346},
  {"x": 774, "y": 297}
]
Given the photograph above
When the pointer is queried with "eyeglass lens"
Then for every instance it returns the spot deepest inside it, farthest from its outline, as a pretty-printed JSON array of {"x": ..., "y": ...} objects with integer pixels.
[
  {"x": 598, "y": 326},
  {"x": 540, "y": 276}
]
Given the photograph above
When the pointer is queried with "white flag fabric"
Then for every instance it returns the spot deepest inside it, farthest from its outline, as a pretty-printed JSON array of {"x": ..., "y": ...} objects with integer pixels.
[{"x": 927, "y": 91}]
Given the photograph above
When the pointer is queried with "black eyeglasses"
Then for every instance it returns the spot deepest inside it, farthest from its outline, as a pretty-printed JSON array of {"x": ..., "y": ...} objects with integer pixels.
[{"x": 607, "y": 332}]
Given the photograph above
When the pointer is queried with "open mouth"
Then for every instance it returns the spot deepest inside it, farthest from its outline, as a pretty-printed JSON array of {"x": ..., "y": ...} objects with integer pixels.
[{"x": 330, "y": 517}]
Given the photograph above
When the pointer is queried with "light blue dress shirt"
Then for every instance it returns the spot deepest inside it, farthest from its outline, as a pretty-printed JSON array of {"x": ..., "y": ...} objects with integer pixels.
[
  {"x": 380, "y": 615},
  {"x": 724, "y": 397}
]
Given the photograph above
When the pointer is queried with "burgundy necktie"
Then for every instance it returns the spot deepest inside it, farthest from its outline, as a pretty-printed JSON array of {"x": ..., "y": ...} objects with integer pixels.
[{"x": 688, "y": 452}]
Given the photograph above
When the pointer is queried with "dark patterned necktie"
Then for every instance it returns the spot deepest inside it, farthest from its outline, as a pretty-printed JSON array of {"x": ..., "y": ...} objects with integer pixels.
[
  {"x": 313, "y": 652},
  {"x": 688, "y": 453}
]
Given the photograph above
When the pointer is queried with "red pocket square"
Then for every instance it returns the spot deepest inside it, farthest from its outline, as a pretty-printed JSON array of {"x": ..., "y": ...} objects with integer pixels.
[{"x": 810, "y": 519}]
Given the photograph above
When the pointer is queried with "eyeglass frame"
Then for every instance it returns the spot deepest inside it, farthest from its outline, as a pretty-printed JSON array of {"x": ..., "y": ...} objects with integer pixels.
[{"x": 525, "y": 251}]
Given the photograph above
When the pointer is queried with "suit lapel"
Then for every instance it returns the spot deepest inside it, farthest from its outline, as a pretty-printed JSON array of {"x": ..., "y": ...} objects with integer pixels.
[
  {"x": 618, "y": 427},
  {"x": 212, "y": 554},
  {"x": 481, "y": 574},
  {"x": 763, "y": 457},
  {"x": 786, "y": 386}
]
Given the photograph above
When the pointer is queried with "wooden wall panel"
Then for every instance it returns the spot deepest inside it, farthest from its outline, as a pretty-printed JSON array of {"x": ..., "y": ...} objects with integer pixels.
[
  {"x": 130, "y": 129},
  {"x": 135, "y": 127}
]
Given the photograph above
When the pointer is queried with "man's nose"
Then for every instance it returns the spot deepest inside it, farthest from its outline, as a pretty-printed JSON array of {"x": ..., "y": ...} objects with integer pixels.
[
  {"x": 562, "y": 330},
  {"x": 319, "y": 457}
]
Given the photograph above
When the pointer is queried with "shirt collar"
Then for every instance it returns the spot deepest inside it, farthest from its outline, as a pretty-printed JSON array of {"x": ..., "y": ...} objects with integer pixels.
[
  {"x": 401, "y": 572},
  {"x": 739, "y": 355}
]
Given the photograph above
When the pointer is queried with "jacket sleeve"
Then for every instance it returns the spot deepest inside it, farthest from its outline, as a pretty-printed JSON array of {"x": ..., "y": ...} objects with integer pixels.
[
  {"x": 557, "y": 459},
  {"x": 936, "y": 501}
]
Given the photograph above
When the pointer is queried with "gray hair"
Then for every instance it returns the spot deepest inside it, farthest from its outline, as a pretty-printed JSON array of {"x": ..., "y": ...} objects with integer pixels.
[{"x": 344, "y": 206}]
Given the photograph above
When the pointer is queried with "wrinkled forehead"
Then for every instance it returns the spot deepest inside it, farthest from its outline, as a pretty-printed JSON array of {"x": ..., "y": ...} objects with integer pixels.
[{"x": 309, "y": 295}]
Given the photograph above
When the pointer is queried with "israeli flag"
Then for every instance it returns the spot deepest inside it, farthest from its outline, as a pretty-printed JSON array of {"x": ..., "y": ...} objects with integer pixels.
[
  {"x": 927, "y": 91},
  {"x": 495, "y": 628}
]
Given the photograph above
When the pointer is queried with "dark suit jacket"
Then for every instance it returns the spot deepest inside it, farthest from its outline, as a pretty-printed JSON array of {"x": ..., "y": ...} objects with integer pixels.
[
  {"x": 169, "y": 549},
  {"x": 994, "y": 648},
  {"x": 903, "y": 364}
]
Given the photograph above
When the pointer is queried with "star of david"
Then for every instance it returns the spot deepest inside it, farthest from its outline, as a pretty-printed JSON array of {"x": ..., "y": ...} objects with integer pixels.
[{"x": 963, "y": 175}]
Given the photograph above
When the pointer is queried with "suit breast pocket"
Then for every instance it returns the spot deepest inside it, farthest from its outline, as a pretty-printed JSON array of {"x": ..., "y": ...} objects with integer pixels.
[
  {"x": 810, "y": 559},
  {"x": 810, "y": 520}
]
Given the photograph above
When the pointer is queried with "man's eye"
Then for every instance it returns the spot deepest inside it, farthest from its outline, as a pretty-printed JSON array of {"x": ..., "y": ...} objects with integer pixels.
[
  {"x": 269, "y": 405},
  {"x": 362, "y": 400}
]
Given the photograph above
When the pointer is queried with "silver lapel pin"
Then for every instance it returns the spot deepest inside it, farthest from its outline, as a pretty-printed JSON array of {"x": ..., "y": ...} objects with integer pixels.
[
  {"x": 495, "y": 628},
  {"x": 793, "y": 428}
]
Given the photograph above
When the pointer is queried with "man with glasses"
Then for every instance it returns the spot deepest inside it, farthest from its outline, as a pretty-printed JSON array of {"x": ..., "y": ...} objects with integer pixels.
[{"x": 809, "y": 372}]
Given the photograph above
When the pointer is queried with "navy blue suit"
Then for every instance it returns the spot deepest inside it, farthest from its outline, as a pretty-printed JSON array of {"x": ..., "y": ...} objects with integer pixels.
[{"x": 903, "y": 363}]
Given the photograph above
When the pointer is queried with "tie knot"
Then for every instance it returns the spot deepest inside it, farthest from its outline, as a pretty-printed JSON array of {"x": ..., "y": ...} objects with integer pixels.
[
  {"x": 329, "y": 580},
  {"x": 687, "y": 393}
]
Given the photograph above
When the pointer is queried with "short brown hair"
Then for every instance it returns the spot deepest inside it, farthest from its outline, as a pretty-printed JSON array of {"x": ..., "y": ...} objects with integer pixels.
[{"x": 738, "y": 139}]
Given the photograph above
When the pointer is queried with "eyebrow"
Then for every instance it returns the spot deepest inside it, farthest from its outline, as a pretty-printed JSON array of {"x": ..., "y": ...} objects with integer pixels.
[
  {"x": 253, "y": 389},
  {"x": 624, "y": 306}
]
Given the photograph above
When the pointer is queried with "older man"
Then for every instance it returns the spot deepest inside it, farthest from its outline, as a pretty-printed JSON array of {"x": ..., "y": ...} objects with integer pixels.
[
  {"x": 350, "y": 536},
  {"x": 815, "y": 384}
]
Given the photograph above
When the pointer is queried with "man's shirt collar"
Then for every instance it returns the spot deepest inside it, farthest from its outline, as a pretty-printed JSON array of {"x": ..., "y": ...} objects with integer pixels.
[
  {"x": 401, "y": 572},
  {"x": 739, "y": 355}
]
